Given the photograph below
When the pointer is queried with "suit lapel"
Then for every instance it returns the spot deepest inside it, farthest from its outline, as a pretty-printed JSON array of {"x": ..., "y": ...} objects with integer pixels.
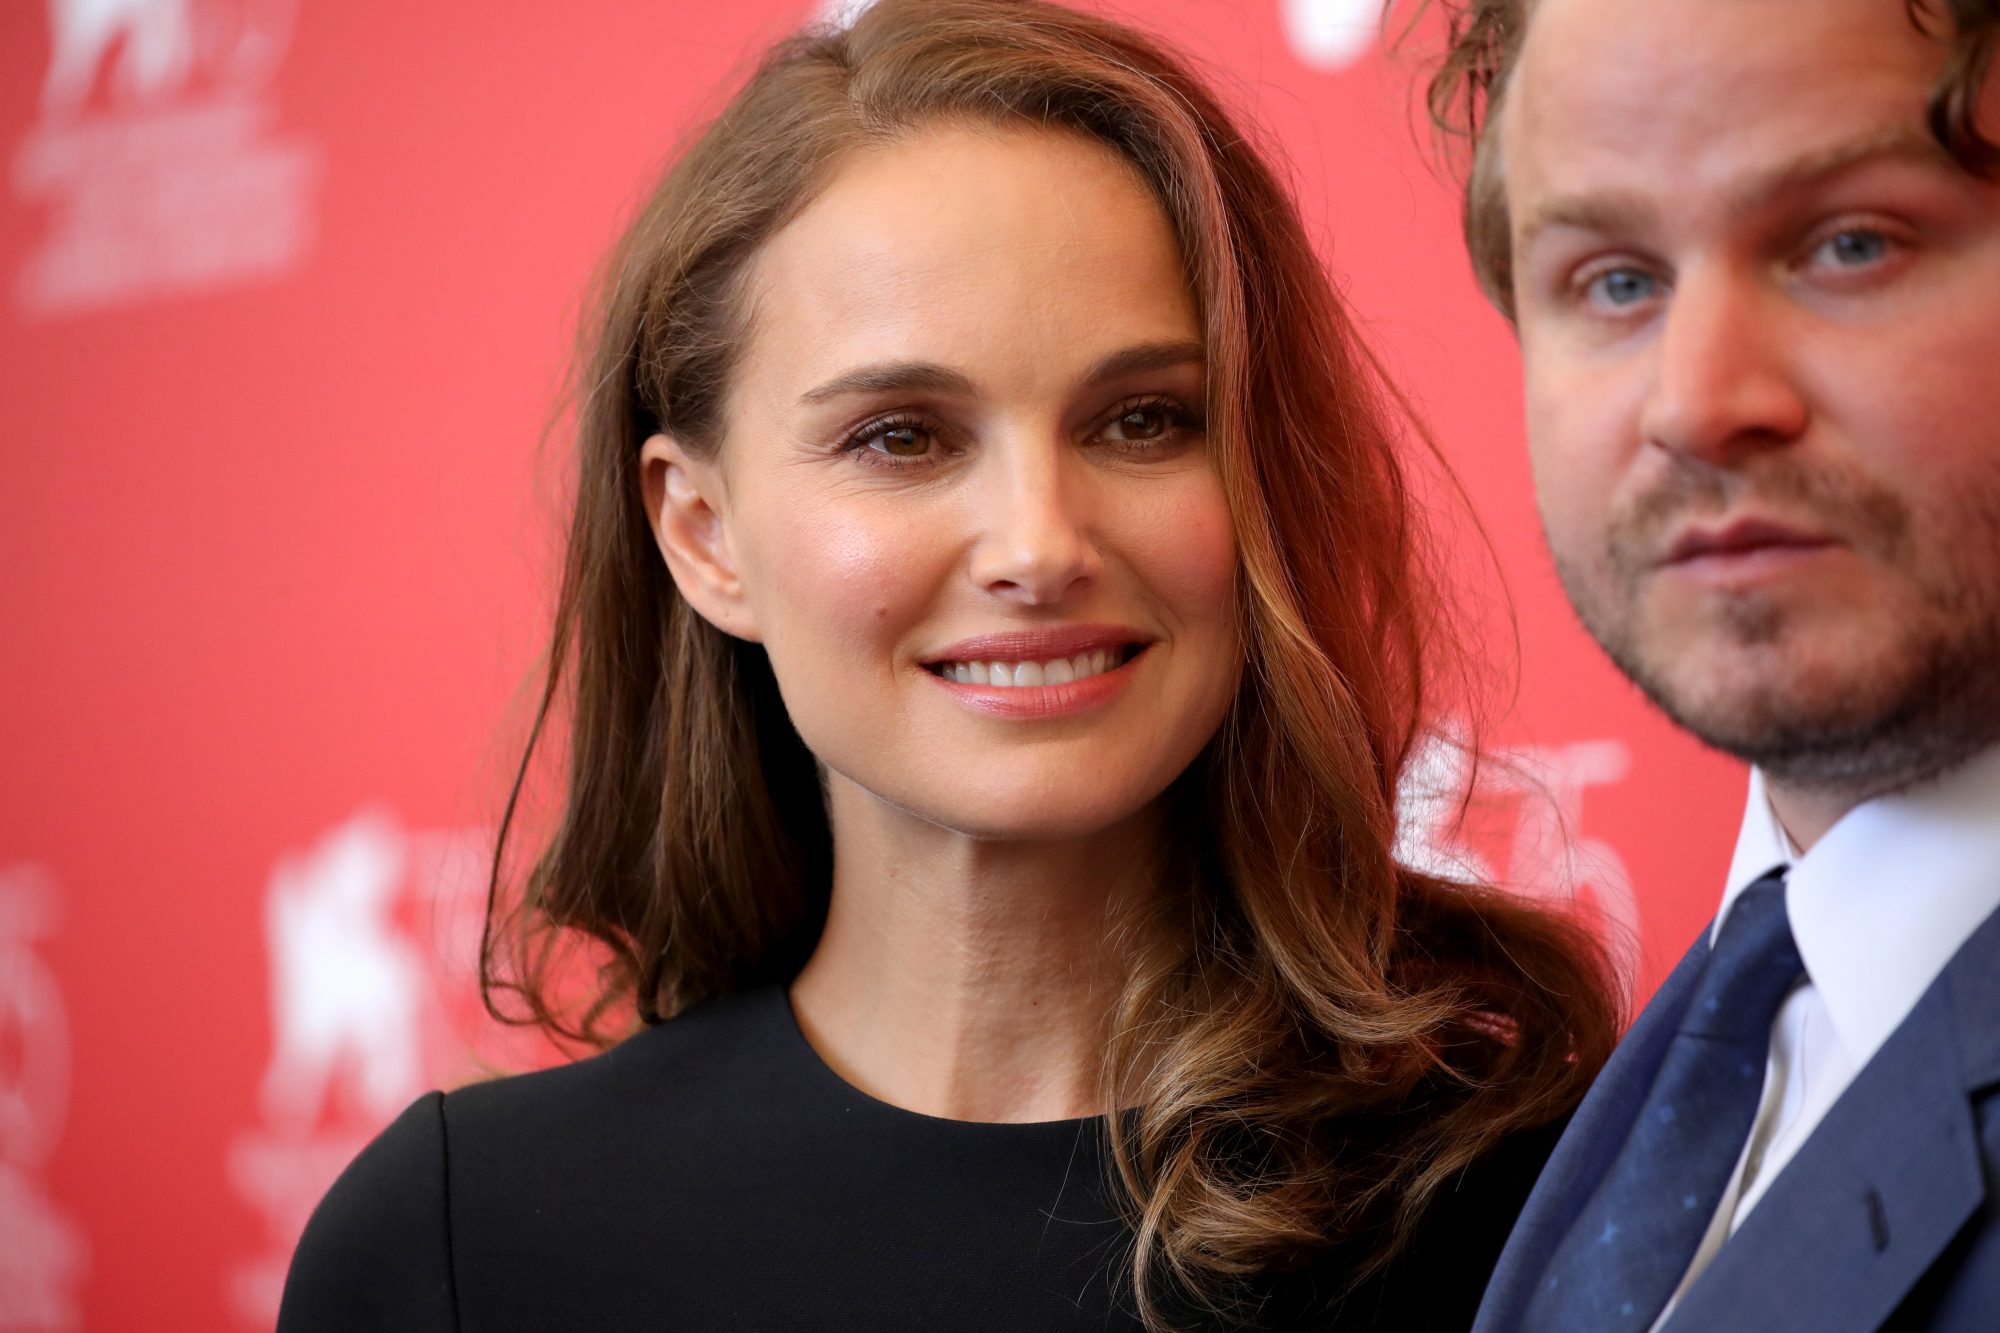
[
  {"x": 1587, "y": 1148},
  {"x": 1884, "y": 1182}
]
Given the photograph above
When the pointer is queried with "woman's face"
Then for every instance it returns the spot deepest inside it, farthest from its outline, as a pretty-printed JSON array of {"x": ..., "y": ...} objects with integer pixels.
[{"x": 963, "y": 496}]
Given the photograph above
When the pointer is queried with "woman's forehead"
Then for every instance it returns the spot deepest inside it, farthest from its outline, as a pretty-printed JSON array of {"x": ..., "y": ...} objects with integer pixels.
[{"x": 958, "y": 243}]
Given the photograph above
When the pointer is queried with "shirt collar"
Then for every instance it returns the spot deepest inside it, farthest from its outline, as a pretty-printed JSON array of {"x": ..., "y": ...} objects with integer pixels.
[{"x": 1882, "y": 901}]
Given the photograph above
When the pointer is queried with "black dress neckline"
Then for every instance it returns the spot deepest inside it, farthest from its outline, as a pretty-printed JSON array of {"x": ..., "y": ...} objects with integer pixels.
[{"x": 789, "y": 1032}]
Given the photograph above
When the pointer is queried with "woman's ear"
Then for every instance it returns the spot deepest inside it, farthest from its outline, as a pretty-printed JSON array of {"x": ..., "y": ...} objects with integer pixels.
[{"x": 684, "y": 504}]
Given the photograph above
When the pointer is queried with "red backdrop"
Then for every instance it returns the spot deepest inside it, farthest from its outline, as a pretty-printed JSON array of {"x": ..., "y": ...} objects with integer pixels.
[{"x": 285, "y": 291}]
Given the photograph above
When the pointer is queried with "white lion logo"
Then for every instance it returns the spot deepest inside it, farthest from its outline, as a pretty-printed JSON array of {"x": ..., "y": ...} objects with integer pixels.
[
  {"x": 158, "y": 40},
  {"x": 1332, "y": 34},
  {"x": 347, "y": 989},
  {"x": 161, "y": 45}
]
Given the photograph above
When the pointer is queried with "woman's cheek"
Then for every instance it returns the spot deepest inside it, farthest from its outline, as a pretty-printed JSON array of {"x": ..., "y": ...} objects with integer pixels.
[
  {"x": 834, "y": 585},
  {"x": 1190, "y": 544}
]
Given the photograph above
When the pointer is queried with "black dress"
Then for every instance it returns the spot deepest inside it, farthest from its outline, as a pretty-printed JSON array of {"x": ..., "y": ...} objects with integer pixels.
[{"x": 713, "y": 1173}]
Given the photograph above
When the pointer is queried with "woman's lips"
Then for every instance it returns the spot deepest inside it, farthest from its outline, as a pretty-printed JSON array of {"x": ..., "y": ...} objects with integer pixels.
[
  {"x": 1042, "y": 644},
  {"x": 1027, "y": 674},
  {"x": 1044, "y": 693}
]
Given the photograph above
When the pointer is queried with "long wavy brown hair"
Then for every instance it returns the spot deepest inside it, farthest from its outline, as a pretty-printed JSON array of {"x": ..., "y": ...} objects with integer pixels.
[
  {"x": 1483, "y": 41},
  {"x": 1329, "y": 1036}
]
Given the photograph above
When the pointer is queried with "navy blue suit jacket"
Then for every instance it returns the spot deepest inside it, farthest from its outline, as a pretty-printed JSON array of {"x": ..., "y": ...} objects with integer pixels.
[{"x": 1887, "y": 1217}]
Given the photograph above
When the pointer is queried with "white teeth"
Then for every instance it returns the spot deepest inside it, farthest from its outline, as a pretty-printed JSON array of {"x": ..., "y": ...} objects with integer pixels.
[{"x": 1016, "y": 675}]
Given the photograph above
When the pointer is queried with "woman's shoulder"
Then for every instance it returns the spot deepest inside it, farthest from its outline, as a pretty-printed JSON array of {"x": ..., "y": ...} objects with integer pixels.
[
  {"x": 375, "y": 1253},
  {"x": 460, "y": 1172},
  {"x": 1490, "y": 1193},
  {"x": 1437, "y": 1280},
  {"x": 703, "y": 1060}
]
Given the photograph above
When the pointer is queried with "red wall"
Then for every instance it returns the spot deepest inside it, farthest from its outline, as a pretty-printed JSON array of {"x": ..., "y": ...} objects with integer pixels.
[{"x": 285, "y": 290}]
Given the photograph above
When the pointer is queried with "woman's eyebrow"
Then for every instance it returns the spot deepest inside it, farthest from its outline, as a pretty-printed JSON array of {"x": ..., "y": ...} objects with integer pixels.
[
  {"x": 930, "y": 377},
  {"x": 892, "y": 376},
  {"x": 1142, "y": 357}
]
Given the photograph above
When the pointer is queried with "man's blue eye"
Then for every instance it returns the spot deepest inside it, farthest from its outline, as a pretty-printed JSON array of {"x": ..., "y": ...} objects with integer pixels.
[
  {"x": 1624, "y": 286},
  {"x": 1850, "y": 249}
]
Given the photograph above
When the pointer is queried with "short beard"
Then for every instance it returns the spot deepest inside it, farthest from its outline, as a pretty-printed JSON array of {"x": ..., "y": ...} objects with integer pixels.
[
  {"x": 1940, "y": 703},
  {"x": 1944, "y": 713}
]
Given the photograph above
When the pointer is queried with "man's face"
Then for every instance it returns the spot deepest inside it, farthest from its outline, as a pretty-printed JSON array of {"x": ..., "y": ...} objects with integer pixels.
[{"x": 1759, "y": 311}]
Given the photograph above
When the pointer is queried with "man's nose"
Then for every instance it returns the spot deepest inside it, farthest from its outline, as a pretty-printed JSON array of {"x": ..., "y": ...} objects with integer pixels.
[
  {"x": 1722, "y": 385},
  {"x": 1035, "y": 545}
]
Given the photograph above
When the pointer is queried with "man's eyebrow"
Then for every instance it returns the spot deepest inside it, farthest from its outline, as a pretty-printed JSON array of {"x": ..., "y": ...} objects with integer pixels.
[
  {"x": 1611, "y": 211},
  {"x": 1815, "y": 166},
  {"x": 930, "y": 377},
  {"x": 1614, "y": 211}
]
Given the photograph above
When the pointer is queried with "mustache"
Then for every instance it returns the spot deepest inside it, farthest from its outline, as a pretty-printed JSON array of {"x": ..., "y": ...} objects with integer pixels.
[{"x": 1845, "y": 505}]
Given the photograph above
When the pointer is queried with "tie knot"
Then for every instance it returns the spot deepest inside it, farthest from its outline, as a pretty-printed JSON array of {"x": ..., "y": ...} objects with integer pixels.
[{"x": 1751, "y": 969}]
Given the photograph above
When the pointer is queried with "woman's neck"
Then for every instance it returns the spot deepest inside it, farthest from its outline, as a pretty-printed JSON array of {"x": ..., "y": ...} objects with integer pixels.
[{"x": 974, "y": 979}]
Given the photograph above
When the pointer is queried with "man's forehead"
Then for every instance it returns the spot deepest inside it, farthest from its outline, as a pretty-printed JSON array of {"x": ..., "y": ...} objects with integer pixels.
[{"x": 1678, "y": 95}]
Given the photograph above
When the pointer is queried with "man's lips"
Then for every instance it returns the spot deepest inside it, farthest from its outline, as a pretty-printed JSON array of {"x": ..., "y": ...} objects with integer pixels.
[{"x": 1744, "y": 537}]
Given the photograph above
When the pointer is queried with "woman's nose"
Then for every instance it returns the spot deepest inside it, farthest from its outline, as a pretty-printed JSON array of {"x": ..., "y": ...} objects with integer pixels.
[{"x": 1035, "y": 545}]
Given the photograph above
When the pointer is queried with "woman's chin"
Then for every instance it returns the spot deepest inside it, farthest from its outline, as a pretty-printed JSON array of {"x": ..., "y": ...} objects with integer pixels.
[{"x": 1055, "y": 813}]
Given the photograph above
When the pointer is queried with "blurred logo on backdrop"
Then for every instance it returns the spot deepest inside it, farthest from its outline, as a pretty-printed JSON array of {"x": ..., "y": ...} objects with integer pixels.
[
  {"x": 1515, "y": 818},
  {"x": 42, "y": 1252},
  {"x": 373, "y": 939},
  {"x": 1323, "y": 34},
  {"x": 156, "y": 154},
  {"x": 1331, "y": 34},
  {"x": 839, "y": 13}
]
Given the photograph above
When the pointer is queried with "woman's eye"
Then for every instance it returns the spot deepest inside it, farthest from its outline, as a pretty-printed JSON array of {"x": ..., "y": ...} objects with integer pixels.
[
  {"x": 1151, "y": 425},
  {"x": 898, "y": 440},
  {"x": 1146, "y": 422},
  {"x": 1622, "y": 287}
]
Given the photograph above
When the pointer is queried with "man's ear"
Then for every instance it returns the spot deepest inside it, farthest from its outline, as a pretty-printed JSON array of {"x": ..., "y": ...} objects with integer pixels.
[{"x": 683, "y": 497}]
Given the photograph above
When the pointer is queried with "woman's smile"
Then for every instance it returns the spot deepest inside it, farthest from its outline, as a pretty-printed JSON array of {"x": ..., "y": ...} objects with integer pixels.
[
  {"x": 1054, "y": 672},
  {"x": 1021, "y": 675}
]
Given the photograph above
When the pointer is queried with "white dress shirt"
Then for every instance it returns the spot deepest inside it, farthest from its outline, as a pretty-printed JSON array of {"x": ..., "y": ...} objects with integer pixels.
[{"x": 1878, "y": 906}]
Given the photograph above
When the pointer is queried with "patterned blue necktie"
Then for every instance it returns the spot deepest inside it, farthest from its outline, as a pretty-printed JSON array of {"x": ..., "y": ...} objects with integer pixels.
[{"x": 1634, "y": 1240}]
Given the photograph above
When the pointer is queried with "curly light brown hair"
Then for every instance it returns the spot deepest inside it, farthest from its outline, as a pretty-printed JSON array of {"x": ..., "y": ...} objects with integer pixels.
[{"x": 1483, "y": 40}]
